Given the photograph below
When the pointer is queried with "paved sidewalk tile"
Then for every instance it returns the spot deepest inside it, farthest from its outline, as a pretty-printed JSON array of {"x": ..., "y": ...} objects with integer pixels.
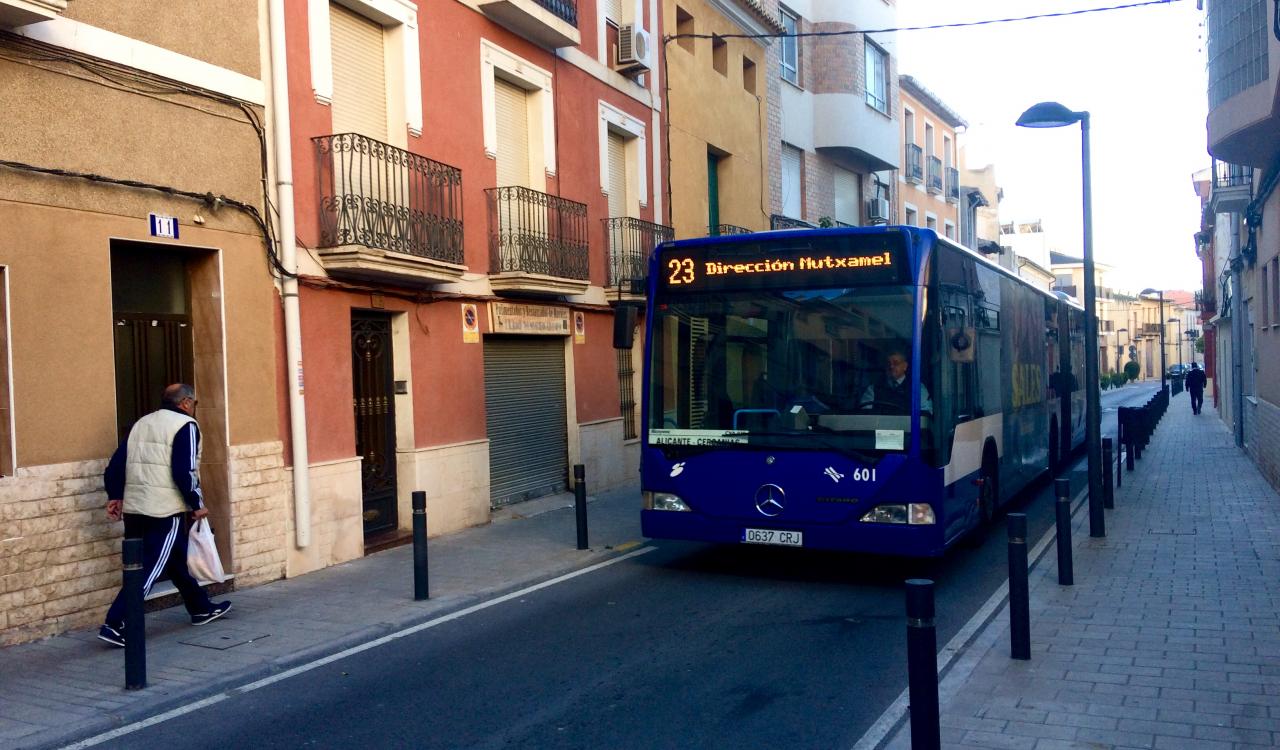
[
  {"x": 1170, "y": 637},
  {"x": 70, "y": 687}
]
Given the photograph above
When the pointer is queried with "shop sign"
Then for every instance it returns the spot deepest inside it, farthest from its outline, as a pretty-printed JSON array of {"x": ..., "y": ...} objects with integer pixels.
[{"x": 546, "y": 320}]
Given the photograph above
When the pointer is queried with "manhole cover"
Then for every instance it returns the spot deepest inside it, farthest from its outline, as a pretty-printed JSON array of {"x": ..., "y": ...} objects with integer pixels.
[
  {"x": 224, "y": 638},
  {"x": 1173, "y": 532}
]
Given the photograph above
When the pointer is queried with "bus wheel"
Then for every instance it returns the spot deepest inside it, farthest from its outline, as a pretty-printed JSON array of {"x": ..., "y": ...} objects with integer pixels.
[{"x": 989, "y": 490}]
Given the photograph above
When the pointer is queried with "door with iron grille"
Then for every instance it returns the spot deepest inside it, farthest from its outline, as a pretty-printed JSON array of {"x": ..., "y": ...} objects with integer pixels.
[{"x": 374, "y": 403}]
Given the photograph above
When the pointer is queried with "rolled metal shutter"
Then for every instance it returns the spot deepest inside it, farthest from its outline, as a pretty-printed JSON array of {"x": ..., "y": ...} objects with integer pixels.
[
  {"x": 792, "y": 187},
  {"x": 359, "y": 74},
  {"x": 524, "y": 389},
  {"x": 617, "y": 148},
  {"x": 847, "y": 197},
  {"x": 512, "y": 113}
]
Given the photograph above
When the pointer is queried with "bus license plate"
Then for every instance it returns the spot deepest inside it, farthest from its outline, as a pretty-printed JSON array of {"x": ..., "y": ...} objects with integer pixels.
[{"x": 773, "y": 536}]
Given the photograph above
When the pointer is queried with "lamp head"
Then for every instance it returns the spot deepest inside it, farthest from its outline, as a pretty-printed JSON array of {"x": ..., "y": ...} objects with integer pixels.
[
  {"x": 1175, "y": 320},
  {"x": 1122, "y": 330},
  {"x": 1049, "y": 115},
  {"x": 1149, "y": 290}
]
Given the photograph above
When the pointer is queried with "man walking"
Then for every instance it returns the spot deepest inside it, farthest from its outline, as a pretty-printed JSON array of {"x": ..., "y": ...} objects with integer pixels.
[
  {"x": 153, "y": 481},
  {"x": 1195, "y": 386}
]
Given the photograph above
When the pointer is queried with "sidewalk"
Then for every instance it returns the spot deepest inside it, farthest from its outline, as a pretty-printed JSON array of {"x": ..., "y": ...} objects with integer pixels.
[
  {"x": 71, "y": 687},
  {"x": 1170, "y": 637}
]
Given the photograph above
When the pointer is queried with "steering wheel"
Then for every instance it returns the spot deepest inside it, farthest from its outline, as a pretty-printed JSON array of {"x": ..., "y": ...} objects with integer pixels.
[{"x": 875, "y": 402}]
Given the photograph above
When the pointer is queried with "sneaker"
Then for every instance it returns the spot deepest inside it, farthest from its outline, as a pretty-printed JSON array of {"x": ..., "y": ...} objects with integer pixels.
[
  {"x": 218, "y": 610},
  {"x": 111, "y": 635}
]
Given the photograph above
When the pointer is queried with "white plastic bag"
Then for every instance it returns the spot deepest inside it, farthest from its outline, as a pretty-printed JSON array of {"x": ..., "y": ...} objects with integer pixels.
[{"x": 203, "y": 561}]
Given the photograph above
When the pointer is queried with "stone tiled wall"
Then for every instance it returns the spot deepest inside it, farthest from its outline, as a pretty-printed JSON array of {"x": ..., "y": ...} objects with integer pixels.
[
  {"x": 261, "y": 492},
  {"x": 610, "y": 461},
  {"x": 773, "y": 115},
  {"x": 59, "y": 555}
]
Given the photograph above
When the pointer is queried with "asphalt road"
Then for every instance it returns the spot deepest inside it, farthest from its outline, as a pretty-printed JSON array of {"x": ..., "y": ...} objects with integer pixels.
[{"x": 687, "y": 646}]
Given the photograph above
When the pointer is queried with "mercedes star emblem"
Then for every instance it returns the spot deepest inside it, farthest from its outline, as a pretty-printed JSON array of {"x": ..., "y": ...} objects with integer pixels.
[{"x": 769, "y": 500}]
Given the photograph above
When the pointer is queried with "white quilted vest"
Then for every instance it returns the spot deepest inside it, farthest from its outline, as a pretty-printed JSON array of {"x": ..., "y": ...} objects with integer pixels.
[{"x": 149, "y": 488}]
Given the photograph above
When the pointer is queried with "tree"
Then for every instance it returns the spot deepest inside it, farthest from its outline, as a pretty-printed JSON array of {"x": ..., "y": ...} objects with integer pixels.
[
  {"x": 1131, "y": 370},
  {"x": 1200, "y": 344}
]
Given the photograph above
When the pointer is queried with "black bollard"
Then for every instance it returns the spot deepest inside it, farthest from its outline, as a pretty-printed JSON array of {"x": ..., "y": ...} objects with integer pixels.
[
  {"x": 922, "y": 666},
  {"x": 1019, "y": 595},
  {"x": 135, "y": 629},
  {"x": 421, "y": 582},
  {"x": 1062, "y": 488},
  {"x": 580, "y": 502},
  {"x": 1108, "y": 491}
]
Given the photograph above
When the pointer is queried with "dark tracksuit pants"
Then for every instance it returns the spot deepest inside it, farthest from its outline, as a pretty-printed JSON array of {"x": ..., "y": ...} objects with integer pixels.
[
  {"x": 164, "y": 550},
  {"x": 1197, "y": 400}
]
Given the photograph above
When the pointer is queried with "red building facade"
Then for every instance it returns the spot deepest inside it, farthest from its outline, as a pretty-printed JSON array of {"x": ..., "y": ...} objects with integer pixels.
[{"x": 476, "y": 185}]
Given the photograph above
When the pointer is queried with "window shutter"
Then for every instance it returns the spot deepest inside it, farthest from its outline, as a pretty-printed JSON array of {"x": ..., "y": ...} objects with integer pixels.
[
  {"x": 847, "y": 192},
  {"x": 617, "y": 148},
  {"x": 791, "y": 187},
  {"x": 359, "y": 74},
  {"x": 512, "y": 112},
  {"x": 612, "y": 10}
]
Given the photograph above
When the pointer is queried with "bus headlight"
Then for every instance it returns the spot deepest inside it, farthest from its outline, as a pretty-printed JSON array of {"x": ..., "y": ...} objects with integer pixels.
[
  {"x": 664, "y": 501},
  {"x": 915, "y": 514}
]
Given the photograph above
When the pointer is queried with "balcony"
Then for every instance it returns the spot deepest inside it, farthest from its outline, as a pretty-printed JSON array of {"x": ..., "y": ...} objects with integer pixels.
[
  {"x": 934, "y": 185},
  {"x": 778, "y": 221},
  {"x": 1232, "y": 188},
  {"x": 550, "y": 23},
  {"x": 914, "y": 171},
  {"x": 1242, "y": 120},
  {"x": 387, "y": 214},
  {"x": 1205, "y": 302},
  {"x": 631, "y": 241},
  {"x": 537, "y": 242},
  {"x": 953, "y": 185},
  {"x": 14, "y": 13}
]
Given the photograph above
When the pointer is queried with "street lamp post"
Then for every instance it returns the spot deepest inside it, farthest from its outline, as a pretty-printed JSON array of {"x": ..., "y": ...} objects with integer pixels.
[
  {"x": 1055, "y": 115},
  {"x": 1163, "y": 366},
  {"x": 1178, "y": 339}
]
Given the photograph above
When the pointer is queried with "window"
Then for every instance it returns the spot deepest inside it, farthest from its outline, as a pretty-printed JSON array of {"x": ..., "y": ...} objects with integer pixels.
[
  {"x": 847, "y": 196},
  {"x": 928, "y": 139},
  {"x": 877, "y": 77},
  {"x": 713, "y": 193},
  {"x": 684, "y": 27},
  {"x": 1275, "y": 291},
  {"x": 908, "y": 126},
  {"x": 720, "y": 55},
  {"x": 792, "y": 181},
  {"x": 1264, "y": 298},
  {"x": 790, "y": 47},
  {"x": 359, "y": 75},
  {"x": 949, "y": 230},
  {"x": 748, "y": 75},
  {"x": 946, "y": 151},
  {"x": 931, "y": 222},
  {"x": 911, "y": 218},
  {"x": 1063, "y": 279},
  {"x": 627, "y": 394},
  {"x": 6, "y": 421}
]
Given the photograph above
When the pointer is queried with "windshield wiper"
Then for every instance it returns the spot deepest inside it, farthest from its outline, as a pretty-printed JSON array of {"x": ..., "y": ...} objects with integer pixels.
[{"x": 808, "y": 438}]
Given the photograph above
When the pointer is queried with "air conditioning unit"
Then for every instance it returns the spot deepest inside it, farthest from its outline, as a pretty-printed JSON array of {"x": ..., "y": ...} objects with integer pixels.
[
  {"x": 635, "y": 49},
  {"x": 878, "y": 210}
]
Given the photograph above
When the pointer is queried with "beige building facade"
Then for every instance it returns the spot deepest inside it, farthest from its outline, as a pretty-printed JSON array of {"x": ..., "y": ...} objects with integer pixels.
[
  {"x": 929, "y": 181},
  {"x": 131, "y": 254}
]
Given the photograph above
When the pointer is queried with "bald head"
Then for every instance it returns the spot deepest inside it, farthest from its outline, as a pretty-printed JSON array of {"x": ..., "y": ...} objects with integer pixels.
[{"x": 177, "y": 393}]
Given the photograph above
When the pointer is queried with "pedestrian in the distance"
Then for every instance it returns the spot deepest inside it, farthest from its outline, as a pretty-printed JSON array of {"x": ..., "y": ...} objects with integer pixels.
[
  {"x": 153, "y": 482},
  {"x": 1195, "y": 386}
]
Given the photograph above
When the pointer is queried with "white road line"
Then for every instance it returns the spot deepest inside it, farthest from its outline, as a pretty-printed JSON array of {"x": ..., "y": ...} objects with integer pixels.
[
  {"x": 897, "y": 710},
  {"x": 232, "y": 692}
]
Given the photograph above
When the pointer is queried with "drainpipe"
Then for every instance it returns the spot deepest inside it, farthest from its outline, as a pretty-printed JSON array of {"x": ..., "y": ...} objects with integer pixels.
[{"x": 289, "y": 283}]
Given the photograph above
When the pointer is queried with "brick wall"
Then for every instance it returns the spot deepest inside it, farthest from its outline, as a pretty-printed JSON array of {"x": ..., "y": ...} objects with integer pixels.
[
  {"x": 773, "y": 116},
  {"x": 1262, "y": 438}
]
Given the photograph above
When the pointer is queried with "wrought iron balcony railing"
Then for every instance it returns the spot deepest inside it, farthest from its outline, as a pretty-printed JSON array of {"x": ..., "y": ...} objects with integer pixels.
[
  {"x": 778, "y": 221},
  {"x": 720, "y": 229},
  {"x": 631, "y": 241},
  {"x": 379, "y": 196},
  {"x": 953, "y": 184},
  {"x": 1205, "y": 301},
  {"x": 934, "y": 184},
  {"x": 1226, "y": 175},
  {"x": 565, "y": 9},
  {"x": 533, "y": 232},
  {"x": 915, "y": 166}
]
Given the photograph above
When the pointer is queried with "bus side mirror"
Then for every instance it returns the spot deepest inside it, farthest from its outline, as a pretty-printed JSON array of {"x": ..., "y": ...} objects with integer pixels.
[{"x": 624, "y": 326}]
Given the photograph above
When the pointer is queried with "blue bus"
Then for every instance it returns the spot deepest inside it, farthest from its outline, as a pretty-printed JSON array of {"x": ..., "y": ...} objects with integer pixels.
[{"x": 875, "y": 389}]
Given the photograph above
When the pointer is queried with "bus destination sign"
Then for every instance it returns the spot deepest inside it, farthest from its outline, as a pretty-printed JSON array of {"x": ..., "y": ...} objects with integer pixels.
[{"x": 825, "y": 262}]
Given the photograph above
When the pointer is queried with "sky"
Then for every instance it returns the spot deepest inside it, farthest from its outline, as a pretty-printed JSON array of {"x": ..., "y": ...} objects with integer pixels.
[{"x": 1139, "y": 72}]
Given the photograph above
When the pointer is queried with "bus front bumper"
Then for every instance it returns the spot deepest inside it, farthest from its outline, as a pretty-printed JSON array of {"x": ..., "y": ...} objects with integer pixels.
[{"x": 874, "y": 538}]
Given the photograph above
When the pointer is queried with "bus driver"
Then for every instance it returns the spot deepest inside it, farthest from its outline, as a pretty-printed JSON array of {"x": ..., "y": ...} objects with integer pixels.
[{"x": 889, "y": 393}]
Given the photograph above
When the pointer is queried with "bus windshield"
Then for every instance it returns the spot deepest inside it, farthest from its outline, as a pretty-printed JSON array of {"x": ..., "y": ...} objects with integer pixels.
[{"x": 825, "y": 368}]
